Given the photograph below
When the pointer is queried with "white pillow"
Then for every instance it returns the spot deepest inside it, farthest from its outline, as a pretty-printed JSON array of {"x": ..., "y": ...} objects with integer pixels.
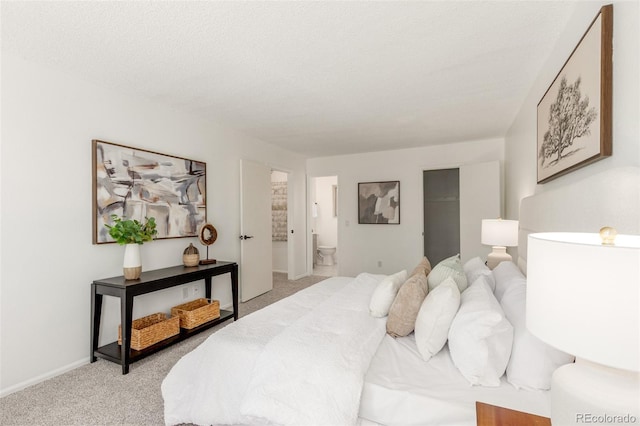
[
  {"x": 506, "y": 274},
  {"x": 385, "y": 293},
  {"x": 475, "y": 267},
  {"x": 435, "y": 317},
  {"x": 449, "y": 267},
  {"x": 532, "y": 361},
  {"x": 480, "y": 337}
]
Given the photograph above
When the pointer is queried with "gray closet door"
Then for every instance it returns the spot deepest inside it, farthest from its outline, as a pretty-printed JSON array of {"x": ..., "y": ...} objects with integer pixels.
[{"x": 441, "y": 213}]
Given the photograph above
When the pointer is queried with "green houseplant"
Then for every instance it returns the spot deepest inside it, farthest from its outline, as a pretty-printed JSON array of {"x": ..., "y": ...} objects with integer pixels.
[
  {"x": 131, "y": 231},
  {"x": 131, "y": 234}
]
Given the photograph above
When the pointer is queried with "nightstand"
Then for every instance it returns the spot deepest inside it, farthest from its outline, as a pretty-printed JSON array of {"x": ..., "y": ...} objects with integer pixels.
[{"x": 491, "y": 415}]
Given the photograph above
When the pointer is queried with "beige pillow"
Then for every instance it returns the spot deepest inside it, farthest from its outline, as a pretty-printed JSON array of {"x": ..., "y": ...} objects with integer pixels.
[
  {"x": 406, "y": 305},
  {"x": 424, "y": 267}
]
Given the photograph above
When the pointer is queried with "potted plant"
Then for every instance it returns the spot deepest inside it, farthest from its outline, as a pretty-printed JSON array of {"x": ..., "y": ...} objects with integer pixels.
[{"x": 131, "y": 234}]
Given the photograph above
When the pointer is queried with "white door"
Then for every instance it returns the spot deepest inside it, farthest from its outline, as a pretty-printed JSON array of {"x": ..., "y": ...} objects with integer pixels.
[{"x": 255, "y": 230}]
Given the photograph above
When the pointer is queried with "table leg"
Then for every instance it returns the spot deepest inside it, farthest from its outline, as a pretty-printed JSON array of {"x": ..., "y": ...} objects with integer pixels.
[
  {"x": 96, "y": 314},
  {"x": 207, "y": 287},
  {"x": 126, "y": 310},
  {"x": 234, "y": 290}
]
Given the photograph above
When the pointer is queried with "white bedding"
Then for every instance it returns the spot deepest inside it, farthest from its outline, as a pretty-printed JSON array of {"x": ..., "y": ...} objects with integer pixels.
[
  {"x": 402, "y": 389},
  {"x": 319, "y": 358},
  {"x": 301, "y": 360}
]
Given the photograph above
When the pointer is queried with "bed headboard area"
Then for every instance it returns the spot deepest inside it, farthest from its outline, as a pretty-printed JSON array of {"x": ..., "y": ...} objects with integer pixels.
[{"x": 610, "y": 198}]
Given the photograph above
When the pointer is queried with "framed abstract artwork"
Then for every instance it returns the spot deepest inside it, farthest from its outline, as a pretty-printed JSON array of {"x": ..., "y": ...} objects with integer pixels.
[
  {"x": 379, "y": 202},
  {"x": 135, "y": 183},
  {"x": 574, "y": 115}
]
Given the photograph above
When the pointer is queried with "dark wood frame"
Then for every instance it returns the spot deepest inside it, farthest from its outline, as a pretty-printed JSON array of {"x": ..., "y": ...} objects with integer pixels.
[
  {"x": 94, "y": 187},
  {"x": 605, "y": 106},
  {"x": 360, "y": 217}
]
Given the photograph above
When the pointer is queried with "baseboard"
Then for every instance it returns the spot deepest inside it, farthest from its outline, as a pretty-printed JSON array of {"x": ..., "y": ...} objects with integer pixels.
[
  {"x": 279, "y": 271},
  {"x": 43, "y": 377},
  {"x": 297, "y": 277}
]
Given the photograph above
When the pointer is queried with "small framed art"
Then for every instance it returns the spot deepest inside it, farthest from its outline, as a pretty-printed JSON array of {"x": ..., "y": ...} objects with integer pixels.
[{"x": 379, "y": 202}]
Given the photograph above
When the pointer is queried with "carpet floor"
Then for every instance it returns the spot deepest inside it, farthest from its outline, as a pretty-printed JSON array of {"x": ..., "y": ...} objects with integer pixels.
[{"x": 98, "y": 393}]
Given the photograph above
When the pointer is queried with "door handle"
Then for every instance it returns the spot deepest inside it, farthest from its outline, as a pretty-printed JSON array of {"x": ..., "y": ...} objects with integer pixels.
[{"x": 245, "y": 237}]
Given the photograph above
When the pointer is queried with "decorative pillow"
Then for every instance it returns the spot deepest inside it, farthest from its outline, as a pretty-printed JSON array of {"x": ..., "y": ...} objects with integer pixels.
[
  {"x": 449, "y": 267},
  {"x": 385, "y": 293},
  {"x": 475, "y": 267},
  {"x": 532, "y": 361},
  {"x": 480, "y": 336},
  {"x": 424, "y": 267},
  {"x": 405, "y": 307},
  {"x": 506, "y": 274},
  {"x": 435, "y": 317}
]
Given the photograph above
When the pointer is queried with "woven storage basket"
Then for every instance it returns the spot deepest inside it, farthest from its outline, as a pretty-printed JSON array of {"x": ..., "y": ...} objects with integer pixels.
[
  {"x": 149, "y": 330},
  {"x": 196, "y": 312}
]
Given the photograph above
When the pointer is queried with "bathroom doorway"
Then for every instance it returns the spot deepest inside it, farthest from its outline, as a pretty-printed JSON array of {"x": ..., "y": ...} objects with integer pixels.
[
  {"x": 280, "y": 217},
  {"x": 324, "y": 225}
]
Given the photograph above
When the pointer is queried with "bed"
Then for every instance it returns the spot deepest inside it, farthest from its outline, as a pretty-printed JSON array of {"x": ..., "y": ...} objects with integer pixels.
[{"x": 320, "y": 357}]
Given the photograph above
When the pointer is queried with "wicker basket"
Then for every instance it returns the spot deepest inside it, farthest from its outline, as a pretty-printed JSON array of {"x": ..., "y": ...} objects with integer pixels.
[
  {"x": 196, "y": 312},
  {"x": 149, "y": 330}
]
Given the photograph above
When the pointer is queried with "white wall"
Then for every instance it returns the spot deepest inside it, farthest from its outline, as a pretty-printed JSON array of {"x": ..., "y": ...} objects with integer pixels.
[
  {"x": 48, "y": 262},
  {"x": 326, "y": 224},
  {"x": 280, "y": 256},
  {"x": 480, "y": 198},
  {"x": 520, "y": 141},
  {"x": 279, "y": 250},
  {"x": 395, "y": 246}
]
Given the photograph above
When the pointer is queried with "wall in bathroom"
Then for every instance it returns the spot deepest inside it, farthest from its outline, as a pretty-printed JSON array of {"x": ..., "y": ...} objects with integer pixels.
[
  {"x": 326, "y": 224},
  {"x": 279, "y": 251}
]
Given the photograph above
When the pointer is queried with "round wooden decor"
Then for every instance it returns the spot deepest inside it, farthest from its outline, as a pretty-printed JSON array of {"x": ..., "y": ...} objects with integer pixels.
[{"x": 207, "y": 234}]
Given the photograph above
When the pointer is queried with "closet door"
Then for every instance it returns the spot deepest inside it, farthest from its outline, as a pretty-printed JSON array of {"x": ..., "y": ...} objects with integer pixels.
[
  {"x": 455, "y": 202},
  {"x": 441, "y": 190}
]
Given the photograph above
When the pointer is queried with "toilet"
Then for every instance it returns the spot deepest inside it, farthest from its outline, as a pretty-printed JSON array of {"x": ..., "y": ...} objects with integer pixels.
[{"x": 326, "y": 254}]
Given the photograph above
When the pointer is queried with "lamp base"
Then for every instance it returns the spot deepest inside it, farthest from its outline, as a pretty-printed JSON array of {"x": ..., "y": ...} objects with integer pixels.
[
  {"x": 499, "y": 254},
  {"x": 585, "y": 392}
]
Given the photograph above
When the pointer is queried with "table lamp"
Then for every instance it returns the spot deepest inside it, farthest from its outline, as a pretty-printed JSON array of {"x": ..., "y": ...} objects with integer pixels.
[
  {"x": 582, "y": 298},
  {"x": 499, "y": 234}
]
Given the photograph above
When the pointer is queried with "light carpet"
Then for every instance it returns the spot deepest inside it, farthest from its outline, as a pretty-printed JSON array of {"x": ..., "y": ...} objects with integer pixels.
[{"x": 98, "y": 393}]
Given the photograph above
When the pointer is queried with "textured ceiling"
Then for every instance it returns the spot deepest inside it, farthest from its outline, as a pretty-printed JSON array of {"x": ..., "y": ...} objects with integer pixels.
[{"x": 318, "y": 78}]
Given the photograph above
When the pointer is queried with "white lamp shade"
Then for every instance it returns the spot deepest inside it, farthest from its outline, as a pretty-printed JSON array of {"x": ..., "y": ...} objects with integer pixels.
[
  {"x": 499, "y": 232},
  {"x": 583, "y": 296}
]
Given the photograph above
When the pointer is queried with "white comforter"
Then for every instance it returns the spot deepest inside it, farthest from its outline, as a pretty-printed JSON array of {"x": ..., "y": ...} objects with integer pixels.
[{"x": 299, "y": 361}]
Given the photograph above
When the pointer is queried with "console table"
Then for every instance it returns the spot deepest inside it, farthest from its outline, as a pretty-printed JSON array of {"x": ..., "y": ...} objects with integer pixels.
[{"x": 148, "y": 282}]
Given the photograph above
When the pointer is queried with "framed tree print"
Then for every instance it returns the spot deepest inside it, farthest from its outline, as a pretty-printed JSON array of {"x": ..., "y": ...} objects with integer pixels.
[{"x": 574, "y": 115}]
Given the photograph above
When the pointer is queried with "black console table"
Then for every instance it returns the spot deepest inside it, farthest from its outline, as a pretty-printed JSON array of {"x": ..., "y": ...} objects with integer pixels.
[{"x": 148, "y": 282}]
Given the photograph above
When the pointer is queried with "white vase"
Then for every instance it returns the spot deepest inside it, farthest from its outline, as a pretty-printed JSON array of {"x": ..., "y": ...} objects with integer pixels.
[{"x": 132, "y": 265}]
